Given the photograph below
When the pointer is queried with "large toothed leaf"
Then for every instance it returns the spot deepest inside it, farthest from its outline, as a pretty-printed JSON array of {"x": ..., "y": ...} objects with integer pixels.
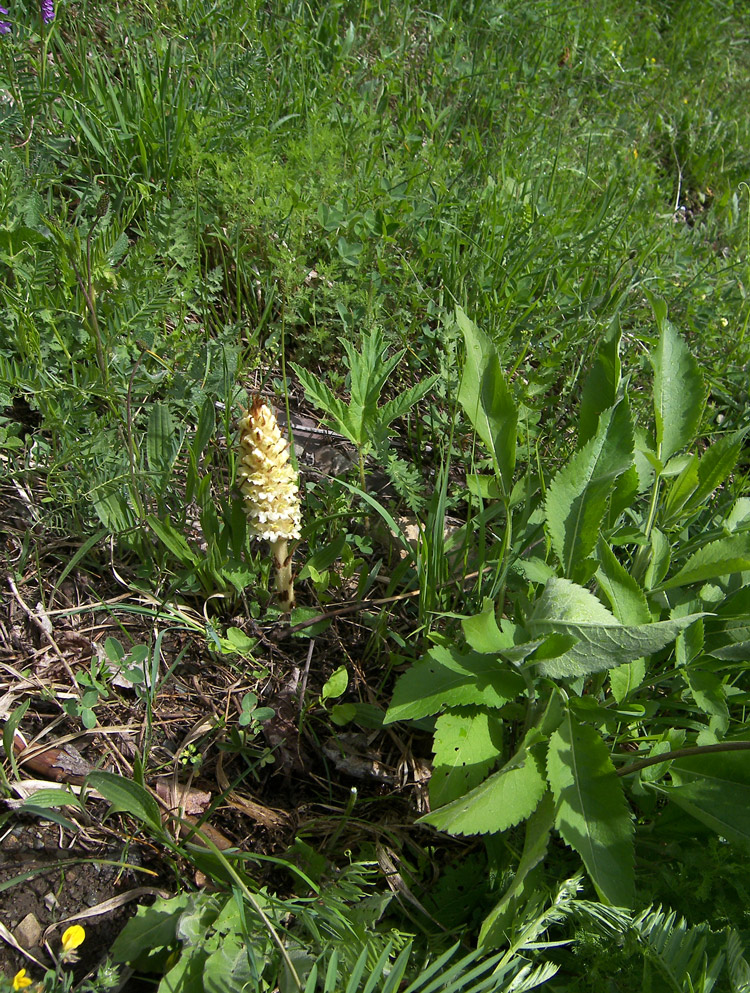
[
  {"x": 679, "y": 392},
  {"x": 628, "y": 602},
  {"x": 467, "y": 743},
  {"x": 592, "y": 814},
  {"x": 577, "y": 497},
  {"x": 505, "y": 799},
  {"x": 448, "y": 678},
  {"x": 600, "y": 641},
  {"x": 485, "y": 397},
  {"x": 715, "y": 560}
]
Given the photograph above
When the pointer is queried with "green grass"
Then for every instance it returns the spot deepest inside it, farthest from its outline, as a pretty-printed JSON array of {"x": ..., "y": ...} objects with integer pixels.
[{"x": 195, "y": 199}]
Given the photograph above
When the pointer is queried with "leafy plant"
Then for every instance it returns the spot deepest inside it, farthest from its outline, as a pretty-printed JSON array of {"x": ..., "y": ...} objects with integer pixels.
[
  {"x": 555, "y": 683},
  {"x": 364, "y": 422}
]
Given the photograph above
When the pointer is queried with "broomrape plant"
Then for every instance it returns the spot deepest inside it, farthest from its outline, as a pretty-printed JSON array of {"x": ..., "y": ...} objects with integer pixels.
[{"x": 269, "y": 485}]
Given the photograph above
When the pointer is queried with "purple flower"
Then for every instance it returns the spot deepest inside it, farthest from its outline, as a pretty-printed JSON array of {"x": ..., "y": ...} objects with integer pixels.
[
  {"x": 4, "y": 25},
  {"x": 48, "y": 10}
]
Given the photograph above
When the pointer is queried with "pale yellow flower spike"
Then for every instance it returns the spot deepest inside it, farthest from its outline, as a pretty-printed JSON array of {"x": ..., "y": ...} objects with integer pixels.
[
  {"x": 21, "y": 980},
  {"x": 269, "y": 485}
]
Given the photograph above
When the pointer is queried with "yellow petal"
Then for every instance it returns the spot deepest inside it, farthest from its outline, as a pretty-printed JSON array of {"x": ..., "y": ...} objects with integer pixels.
[
  {"x": 21, "y": 980},
  {"x": 73, "y": 937}
]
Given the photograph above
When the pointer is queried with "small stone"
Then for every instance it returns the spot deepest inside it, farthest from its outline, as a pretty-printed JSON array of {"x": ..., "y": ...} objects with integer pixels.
[
  {"x": 51, "y": 902},
  {"x": 28, "y": 934}
]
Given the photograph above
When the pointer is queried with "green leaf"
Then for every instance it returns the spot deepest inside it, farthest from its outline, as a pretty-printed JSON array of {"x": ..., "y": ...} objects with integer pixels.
[
  {"x": 715, "y": 789},
  {"x": 536, "y": 840},
  {"x": 601, "y": 385},
  {"x": 708, "y": 691},
  {"x": 152, "y": 928},
  {"x": 487, "y": 401},
  {"x": 577, "y": 496},
  {"x": 228, "y": 968},
  {"x": 628, "y": 602},
  {"x": 592, "y": 814},
  {"x": 716, "y": 464},
  {"x": 446, "y": 678},
  {"x": 171, "y": 538},
  {"x": 466, "y": 745},
  {"x": 680, "y": 491},
  {"x": 601, "y": 641},
  {"x": 715, "y": 560},
  {"x": 659, "y": 559},
  {"x": 320, "y": 395},
  {"x": 324, "y": 557},
  {"x": 505, "y": 799},
  {"x": 403, "y": 403},
  {"x": 204, "y": 429},
  {"x": 483, "y": 634},
  {"x": 127, "y": 797},
  {"x": 162, "y": 442},
  {"x": 679, "y": 393},
  {"x": 336, "y": 684}
]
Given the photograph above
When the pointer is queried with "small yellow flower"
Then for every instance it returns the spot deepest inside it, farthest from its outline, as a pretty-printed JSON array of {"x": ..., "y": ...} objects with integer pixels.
[
  {"x": 21, "y": 980},
  {"x": 73, "y": 937}
]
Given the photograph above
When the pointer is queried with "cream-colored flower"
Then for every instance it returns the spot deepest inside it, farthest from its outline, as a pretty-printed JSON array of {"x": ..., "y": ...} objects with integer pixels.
[{"x": 266, "y": 477}]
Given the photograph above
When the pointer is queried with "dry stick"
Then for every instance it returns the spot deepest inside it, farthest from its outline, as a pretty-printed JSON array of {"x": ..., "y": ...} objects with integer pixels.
[
  {"x": 683, "y": 753},
  {"x": 37, "y": 623}
]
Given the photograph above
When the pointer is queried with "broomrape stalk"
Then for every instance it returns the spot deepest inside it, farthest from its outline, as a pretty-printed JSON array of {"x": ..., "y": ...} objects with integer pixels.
[{"x": 269, "y": 486}]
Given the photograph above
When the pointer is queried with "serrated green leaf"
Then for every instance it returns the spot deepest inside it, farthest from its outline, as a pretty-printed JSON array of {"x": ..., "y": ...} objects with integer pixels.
[
  {"x": 323, "y": 398},
  {"x": 715, "y": 789},
  {"x": 485, "y": 398},
  {"x": 482, "y": 633},
  {"x": 592, "y": 814},
  {"x": 628, "y": 602},
  {"x": 601, "y": 641},
  {"x": 503, "y": 800},
  {"x": 466, "y": 745},
  {"x": 577, "y": 497},
  {"x": 708, "y": 691},
  {"x": 679, "y": 393},
  {"x": 448, "y": 678},
  {"x": 403, "y": 403},
  {"x": 715, "y": 560},
  {"x": 601, "y": 385}
]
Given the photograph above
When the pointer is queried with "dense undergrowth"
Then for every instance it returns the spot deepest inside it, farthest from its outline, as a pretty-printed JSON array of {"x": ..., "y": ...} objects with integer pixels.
[{"x": 501, "y": 248}]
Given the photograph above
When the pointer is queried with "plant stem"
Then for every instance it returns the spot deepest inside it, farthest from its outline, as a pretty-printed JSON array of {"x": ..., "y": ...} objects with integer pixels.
[
  {"x": 683, "y": 753},
  {"x": 282, "y": 560}
]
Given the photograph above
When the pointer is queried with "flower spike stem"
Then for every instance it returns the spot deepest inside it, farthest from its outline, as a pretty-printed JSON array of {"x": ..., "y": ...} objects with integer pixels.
[
  {"x": 282, "y": 559},
  {"x": 269, "y": 486}
]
